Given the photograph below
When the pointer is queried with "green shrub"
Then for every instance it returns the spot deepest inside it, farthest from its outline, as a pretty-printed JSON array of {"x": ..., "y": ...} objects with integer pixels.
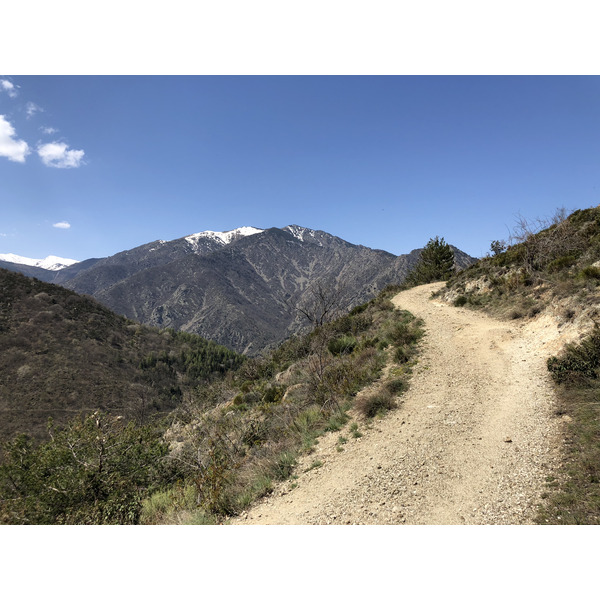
[
  {"x": 461, "y": 301},
  {"x": 402, "y": 354},
  {"x": 336, "y": 421},
  {"x": 396, "y": 386},
  {"x": 561, "y": 263},
  {"x": 359, "y": 309},
  {"x": 404, "y": 334},
  {"x": 97, "y": 470},
  {"x": 354, "y": 430},
  {"x": 161, "y": 505},
  {"x": 577, "y": 361},
  {"x": 370, "y": 405},
  {"x": 342, "y": 345},
  {"x": 283, "y": 465},
  {"x": 274, "y": 393},
  {"x": 590, "y": 273},
  {"x": 251, "y": 398}
]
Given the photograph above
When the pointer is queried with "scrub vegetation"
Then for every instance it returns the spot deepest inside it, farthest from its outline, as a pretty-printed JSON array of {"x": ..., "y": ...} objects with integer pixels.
[
  {"x": 62, "y": 353},
  {"x": 236, "y": 428},
  {"x": 237, "y": 437}
]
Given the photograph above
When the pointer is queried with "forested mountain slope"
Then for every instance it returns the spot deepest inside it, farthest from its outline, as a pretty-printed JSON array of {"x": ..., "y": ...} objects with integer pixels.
[{"x": 61, "y": 353}]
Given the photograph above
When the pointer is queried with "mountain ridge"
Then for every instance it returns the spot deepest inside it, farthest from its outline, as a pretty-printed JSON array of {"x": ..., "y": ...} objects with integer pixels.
[{"x": 241, "y": 288}]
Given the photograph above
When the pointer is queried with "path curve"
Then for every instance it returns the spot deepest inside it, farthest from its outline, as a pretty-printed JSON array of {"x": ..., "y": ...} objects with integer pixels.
[{"x": 472, "y": 442}]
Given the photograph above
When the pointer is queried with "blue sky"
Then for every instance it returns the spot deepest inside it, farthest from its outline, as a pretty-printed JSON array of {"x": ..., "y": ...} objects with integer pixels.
[{"x": 91, "y": 165}]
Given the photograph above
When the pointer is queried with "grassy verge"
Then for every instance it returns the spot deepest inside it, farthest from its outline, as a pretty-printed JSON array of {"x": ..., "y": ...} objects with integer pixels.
[{"x": 574, "y": 497}]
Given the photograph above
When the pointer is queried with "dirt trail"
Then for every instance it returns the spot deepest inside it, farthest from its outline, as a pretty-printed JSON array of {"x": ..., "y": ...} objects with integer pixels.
[{"x": 472, "y": 441}]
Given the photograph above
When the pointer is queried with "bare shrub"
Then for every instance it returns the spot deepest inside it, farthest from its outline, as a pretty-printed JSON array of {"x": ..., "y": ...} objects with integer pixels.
[
  {"x": 323, "y": 302},
  {"x": 542, "y": 241}
]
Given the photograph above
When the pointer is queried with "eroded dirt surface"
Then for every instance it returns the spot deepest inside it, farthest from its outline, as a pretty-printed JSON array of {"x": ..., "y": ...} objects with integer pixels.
[{"x": 472, "y": 442}]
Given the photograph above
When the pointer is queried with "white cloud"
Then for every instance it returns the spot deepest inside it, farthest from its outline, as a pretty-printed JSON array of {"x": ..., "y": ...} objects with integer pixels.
[
  {"x": 31, "y": 108},
  {"x": 56, "y": 154},
  {"x": 48, "y": 130},
  {"x": 8, "y": 87},
  {"x": 62, "y": 225},
  {"x": 10, "y": 147}
]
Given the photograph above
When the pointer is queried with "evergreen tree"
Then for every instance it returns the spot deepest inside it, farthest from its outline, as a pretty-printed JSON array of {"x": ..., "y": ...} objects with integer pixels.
[{"x": 436, "y": 263}]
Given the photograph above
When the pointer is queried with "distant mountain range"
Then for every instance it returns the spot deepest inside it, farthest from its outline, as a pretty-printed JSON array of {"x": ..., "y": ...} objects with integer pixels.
[
  {"x": 239, "y": 288},
  {"x": 50, "y": 263}
]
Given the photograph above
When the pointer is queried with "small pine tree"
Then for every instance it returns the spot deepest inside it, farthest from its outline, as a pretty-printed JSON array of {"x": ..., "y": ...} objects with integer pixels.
[
  {"x": 498, "y": 247},
  {"x": 436, "y": 263}
]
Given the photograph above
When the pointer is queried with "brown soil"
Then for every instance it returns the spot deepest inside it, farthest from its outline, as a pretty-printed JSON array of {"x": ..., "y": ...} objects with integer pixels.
[{"x": 472, "y": 442}]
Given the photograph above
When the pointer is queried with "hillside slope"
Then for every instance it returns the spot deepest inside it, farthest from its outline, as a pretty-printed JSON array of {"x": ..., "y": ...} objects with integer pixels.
[
  {"x": 62, "y": 353},
  {"x": 472, "y": 443}
]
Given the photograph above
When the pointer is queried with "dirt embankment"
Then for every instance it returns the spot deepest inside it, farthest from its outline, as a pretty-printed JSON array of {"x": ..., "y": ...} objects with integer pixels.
[{"x": 472, "y": 442}]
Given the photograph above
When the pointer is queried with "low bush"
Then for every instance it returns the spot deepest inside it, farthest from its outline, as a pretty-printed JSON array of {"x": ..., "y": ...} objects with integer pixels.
[
  {"x": 577, "y": 361},
  {"x": 342, "y": 345},
  {"x": 590, "y": 273},
  {"x": 164, "y": 505},
  {"x": 97, "y": 470},
  {"x": 405, "y": 333},
  {"x": 396, "y": 386},
  {"x": 561, "y": 263},
  {"x": 371, "y": 405},
  {"x": 402, "y": 354},
  {"x": 274, "y": 393}
]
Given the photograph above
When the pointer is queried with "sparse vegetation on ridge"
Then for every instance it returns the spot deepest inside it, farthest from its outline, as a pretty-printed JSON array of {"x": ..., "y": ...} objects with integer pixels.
[
  {"x": 549, "y": 264},
  {"x": 574, "y": 498}
]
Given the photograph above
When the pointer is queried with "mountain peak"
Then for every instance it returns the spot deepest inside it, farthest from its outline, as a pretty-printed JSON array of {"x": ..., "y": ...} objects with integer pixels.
[
  {"x": 51, "y": 263},
  {"x": 223, "y": 237},
  {"x": 299, "y": 232}
]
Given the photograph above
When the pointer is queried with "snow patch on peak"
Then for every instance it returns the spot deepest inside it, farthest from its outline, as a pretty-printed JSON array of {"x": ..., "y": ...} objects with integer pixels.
[
  {"x": 51, "y": 263},
  {"x": 223, "y": 237},
  {"x": 159, "y": 244},
  {"x": 56, "y": 263},
  {"x": 297, "y": 232},
  {"x": 300, "y": 232}
]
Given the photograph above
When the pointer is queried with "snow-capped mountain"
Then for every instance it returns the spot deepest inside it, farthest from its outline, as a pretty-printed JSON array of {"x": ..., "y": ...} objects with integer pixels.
[
  {"x": 223, "y": 237},
  {"x": 51, "y": 263},
  {"x": 238, "y": 287}
]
